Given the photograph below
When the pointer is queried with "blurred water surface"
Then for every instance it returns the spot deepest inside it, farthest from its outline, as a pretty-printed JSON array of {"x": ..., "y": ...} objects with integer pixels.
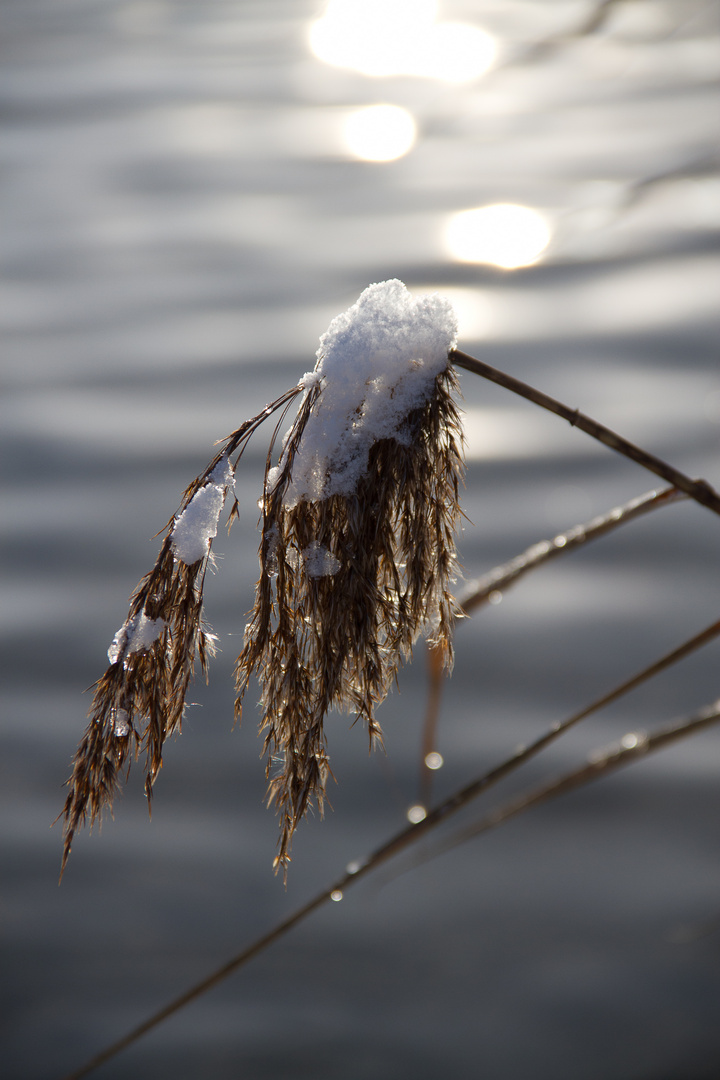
[{"x": 184, "y": 214}]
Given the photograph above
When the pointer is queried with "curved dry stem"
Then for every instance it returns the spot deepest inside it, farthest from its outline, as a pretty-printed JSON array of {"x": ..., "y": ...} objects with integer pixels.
[
  {"x": 699, "y": 490},
  {"x": 629, "y": 749},
  {"x": 478, "y": 592}
]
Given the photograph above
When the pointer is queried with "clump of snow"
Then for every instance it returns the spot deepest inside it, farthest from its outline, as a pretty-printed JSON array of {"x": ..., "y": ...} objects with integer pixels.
[
  {"x": 195, "y": 527},
  {"x": 135, "y": 635},
  {"x": 271, "y": 556},
  {"x": 377, "y": 361},
  {"x": 270, "y": 481},
  {"x": 121, "y": 727},
  {"x": 318, "y": 561},
  {"x": 311, "y": 379}
]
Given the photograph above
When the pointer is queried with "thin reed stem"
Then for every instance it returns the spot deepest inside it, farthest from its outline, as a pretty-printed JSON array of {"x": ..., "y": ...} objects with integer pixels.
[
  {"x": 629, "y": 748},
  {"x": 699, "y": 490},
  {"x": 479, "y": 591},
  {"x": 410, "y": 834}
]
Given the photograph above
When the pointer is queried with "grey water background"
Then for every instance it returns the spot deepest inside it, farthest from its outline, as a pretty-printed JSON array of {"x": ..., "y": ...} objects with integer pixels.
[{"x": 180, "y": 224}]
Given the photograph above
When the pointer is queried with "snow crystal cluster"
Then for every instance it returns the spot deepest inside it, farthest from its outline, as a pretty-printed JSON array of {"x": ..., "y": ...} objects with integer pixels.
[
  {"x": 135, "y": 635},
  {"x": 197, "y": 525},
  {"x": 376, "y": 363},
  {"x": 318, "y": 561},
  {"x": 121, "y": 726}
]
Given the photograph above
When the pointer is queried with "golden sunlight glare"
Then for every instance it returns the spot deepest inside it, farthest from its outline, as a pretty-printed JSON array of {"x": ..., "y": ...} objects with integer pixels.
[
  {"x": 503, "y": 235},
  {"x": 379, "y": 132},
  {"x": 400, "y": 37}
]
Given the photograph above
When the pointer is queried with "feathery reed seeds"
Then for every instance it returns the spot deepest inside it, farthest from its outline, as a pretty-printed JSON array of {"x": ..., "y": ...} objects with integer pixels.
[{"x": 357, "y": 558}]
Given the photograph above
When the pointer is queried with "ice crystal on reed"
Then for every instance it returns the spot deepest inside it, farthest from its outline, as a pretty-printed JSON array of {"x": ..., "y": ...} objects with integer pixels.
[
  {"x": 357, "y": 558},
  {"x": 135, "y": 635},
  {"x": 197, "y": 525}
]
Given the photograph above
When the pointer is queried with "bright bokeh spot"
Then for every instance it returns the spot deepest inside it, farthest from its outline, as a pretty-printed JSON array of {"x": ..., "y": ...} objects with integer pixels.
[
  {"x": 475, "y": 309},
  {"x": 400, "y": 37},
  {"x": 379, "y": 132},
  {"x": 374, "y": 37},
  {"x": 416, "y": 814},
  {"x": 454, "y": 53},
  {"x": 433, "y": 760},
  {"x": 504, "y": 235}
]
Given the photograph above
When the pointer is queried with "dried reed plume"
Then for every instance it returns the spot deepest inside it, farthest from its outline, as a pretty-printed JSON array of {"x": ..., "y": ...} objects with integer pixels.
[
  {"x": 347, "y": 584},
  {"x": 357, "y": 558},
  {"x": 140, "y": 699}
]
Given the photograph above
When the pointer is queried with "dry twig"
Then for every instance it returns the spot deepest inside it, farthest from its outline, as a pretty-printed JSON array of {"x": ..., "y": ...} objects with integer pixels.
[
  {"x": 629, "y": 749},
  {"x": 699, "y": 490},
  {"x": 495, "y": 582}
]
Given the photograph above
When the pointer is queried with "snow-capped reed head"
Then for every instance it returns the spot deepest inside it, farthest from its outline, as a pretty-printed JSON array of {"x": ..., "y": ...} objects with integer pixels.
[
  {"x": 140, "y": 699},
  {"x": 357, "y": 558},
  {"x": 358, "y": 520}
]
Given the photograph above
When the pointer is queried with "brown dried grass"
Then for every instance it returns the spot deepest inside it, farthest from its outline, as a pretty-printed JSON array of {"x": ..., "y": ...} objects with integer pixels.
[
  {"x": 140, "y": 700},
  {"x": 314, "y": 642},
  {"x": 337, "y": 640}
]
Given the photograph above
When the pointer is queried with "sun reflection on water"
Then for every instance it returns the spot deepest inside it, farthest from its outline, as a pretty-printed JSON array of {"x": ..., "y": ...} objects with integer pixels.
[
  {"x": 381, "y": 38},
  {"x": 504, "y": 235},
  {"x": 379, "y": 132}
]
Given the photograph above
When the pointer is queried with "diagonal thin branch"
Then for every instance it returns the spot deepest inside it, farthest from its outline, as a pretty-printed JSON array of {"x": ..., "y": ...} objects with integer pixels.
[
  {"x": 399, "y": 842},
  {"x": 630, "y": 748},
  {"x": 478, "y": 592},
  {"x": 699, "y": 490},
  {"x": 502, "y": 577}
]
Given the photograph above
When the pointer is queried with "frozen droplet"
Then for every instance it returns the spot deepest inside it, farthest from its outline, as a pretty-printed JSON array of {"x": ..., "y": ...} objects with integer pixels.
[
  {"x": 121, "y": 727},
  {"x": 495, "y": 597},
  {"x": 434, "y": 760},
  {"x": 336, "y": 895},
  {"x": 416, "y": 813},
  {"x": 271, "y": 566},
  {"x": 353, "y": 867},
  {"x": 319, "y": 561}
]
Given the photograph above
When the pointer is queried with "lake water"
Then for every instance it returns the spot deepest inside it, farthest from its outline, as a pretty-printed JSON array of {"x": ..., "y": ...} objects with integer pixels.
[{"x": 183, "y": 217}]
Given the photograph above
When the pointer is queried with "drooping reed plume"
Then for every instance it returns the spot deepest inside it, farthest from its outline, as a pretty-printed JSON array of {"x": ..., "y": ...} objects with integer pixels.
[
  {"x": 140, "y": 699},
  {"x": 357, "y": 553},
  {"x": 357, "y": 558}
]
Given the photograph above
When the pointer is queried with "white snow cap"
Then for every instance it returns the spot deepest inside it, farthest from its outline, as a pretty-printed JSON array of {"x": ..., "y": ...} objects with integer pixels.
[
  {"x": 135, "y": 635},
  {"x": 378, "y": 361},
  {"x": 319, "y": 561},
  {"x": 197, "y": 525}
]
